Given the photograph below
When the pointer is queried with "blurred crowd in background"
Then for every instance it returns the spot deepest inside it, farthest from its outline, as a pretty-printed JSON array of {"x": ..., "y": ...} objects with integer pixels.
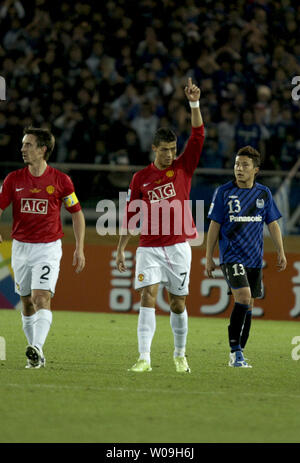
[{"x": 103, "y": 76}]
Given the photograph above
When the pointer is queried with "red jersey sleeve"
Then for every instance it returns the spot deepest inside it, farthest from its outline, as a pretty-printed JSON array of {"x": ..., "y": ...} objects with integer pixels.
[
  {"x": 6, "y": 192},
  {"x": 69, "y": 197},
  {"x": 189, "y": 159}
]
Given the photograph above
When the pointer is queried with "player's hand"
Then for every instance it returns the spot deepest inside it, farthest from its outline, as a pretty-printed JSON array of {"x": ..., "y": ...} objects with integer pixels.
[
  {"x": 192, "y": 92},
  {"x": 210, "y": 266},
  {"x": 1, "y": 239},
  {"x": 78, "y": 260},
  {"x": 120, "y": 261},
  {"x": 281, "y": 262}
]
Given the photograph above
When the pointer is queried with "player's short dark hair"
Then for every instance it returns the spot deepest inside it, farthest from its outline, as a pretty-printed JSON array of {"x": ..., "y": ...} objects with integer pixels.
[
  {"x": 251, "y": 153},
  {"x": 43, "y": 138},
  {"x": 164, "y": 134}
]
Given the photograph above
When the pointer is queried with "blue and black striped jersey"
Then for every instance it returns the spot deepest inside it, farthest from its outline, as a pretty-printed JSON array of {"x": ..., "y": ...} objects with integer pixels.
[{"x": 241, "y": 212}]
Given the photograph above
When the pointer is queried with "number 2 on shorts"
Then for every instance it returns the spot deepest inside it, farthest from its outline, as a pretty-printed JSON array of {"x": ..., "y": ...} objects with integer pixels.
[{"x": 44, "y": 276}]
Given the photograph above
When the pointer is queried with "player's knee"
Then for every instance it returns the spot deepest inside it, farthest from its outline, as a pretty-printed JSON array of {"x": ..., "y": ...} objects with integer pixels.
[
  {"x": 243, "y": 297},
  {"x": 148, "y": 297},
  {"x": 28, "y": 308},
  {"x": 177, "y": 305},
  {"x": 177, "y": 310},
  {"x": 41, "y": 300}
]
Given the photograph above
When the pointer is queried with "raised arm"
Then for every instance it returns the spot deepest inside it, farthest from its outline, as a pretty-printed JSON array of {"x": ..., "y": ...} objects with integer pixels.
[
  {"x": 192, "y": 93},
  {"x": 193, "y": 148}
]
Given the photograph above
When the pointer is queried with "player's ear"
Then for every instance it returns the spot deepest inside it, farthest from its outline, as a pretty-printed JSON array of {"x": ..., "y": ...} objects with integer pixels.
[{"x": 154, "y": 148}]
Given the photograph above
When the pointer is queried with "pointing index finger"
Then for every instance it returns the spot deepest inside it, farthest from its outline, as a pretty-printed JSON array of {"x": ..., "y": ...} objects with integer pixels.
[{"x": 189, "y": 82}]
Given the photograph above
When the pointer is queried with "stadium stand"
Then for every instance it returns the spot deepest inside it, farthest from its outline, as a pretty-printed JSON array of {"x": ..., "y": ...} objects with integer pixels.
[{"x": 105, "y": 75}]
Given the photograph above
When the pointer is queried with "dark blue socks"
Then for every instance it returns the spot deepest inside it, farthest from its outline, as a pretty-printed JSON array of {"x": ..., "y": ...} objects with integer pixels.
[
  {"x": 246, "y": 328},
  {"x": 237, "y": 320}
]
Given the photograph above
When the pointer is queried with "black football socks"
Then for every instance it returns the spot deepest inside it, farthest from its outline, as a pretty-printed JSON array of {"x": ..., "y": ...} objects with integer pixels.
[
  {"x": 237, "y": 320},
  {"x": 246, "y": 329}
]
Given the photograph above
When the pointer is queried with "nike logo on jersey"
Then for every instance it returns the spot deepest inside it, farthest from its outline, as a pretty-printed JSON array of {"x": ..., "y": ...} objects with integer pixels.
[
  {"x": 145, "y": 184},
  {"x": 19, "y": 189}
]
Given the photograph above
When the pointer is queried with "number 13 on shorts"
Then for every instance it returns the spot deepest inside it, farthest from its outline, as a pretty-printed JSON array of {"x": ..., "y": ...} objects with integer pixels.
[{"x": 238, "y": 269}]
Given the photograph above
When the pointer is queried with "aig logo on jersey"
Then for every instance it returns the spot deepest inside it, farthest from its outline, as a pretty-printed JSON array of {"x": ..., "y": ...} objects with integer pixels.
[
  {"x": 260, "y": 203},
  {"x": 34, "y": 206},
  {"x": 161, "y": 192}
]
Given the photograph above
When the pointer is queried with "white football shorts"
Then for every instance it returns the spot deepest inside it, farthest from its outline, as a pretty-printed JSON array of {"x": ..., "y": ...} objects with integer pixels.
[
  {"x": 169, "y": 265},
  {"x": 35, "y": 266}
]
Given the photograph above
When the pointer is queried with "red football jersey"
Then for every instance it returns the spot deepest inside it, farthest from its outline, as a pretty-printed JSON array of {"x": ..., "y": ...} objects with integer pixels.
[
  {"x": 159, "y": 199},
  {"x": 36, "y": 203}
]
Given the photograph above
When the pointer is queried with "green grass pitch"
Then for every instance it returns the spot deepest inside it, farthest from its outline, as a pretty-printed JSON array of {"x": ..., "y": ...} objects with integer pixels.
[{"x": 86, "y": 394}]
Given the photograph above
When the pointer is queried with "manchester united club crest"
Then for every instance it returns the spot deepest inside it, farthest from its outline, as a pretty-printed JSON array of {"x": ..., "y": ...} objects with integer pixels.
[
  {"x": 170, "y": 173},
  {"x": 50, "y": 189},
  {"x": 141, "y": 277}
]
